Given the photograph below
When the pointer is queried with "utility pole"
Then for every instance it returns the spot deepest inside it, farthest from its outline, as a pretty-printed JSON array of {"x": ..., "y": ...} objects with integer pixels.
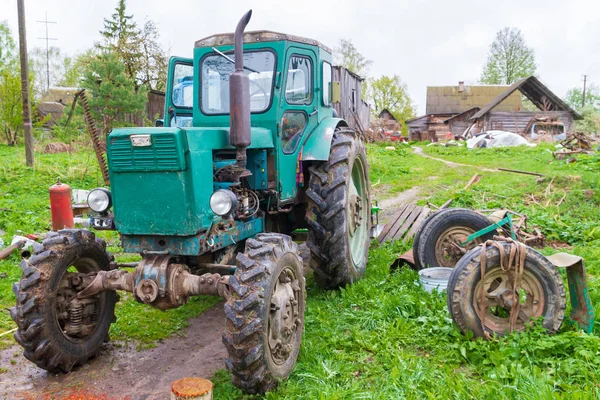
[
  {"x": 25, "y": 85},
  {"x": 584, "y": 82},
  {"x": 47, "y": 48}
]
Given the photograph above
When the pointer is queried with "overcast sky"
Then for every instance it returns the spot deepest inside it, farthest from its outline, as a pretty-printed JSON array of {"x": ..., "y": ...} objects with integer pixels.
[{"x": 425, "y": 42}]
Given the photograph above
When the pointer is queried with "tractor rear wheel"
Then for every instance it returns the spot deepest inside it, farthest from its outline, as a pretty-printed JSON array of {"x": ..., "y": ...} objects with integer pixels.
[
  {"x": 339, "y": 212},
  {"x": 57, "y": 330},
  {"x": 265, "y": 313}
]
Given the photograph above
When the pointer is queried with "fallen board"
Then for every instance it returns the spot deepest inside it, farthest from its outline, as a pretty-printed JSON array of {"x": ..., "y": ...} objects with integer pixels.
[{"x": 404, "y": 224}]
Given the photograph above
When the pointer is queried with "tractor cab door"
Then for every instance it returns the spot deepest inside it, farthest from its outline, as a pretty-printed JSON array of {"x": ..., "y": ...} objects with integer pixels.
[
  {"x": 179, "y": 98},
  {"x": 299, "y": 116}
]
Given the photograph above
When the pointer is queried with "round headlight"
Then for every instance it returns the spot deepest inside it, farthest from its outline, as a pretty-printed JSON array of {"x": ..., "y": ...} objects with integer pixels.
[
  {"x": 99, "y": 200},
  {"x": 222, "y": 202}
]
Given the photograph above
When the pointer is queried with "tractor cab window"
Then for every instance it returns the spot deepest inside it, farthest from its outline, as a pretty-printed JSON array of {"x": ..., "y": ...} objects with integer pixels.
[
  {"x": 183, "y": 86},
  {"x": 214, "y": 86},
  {"x": 298, "y": 89},
  {"x": 292, "y": 126},
  {"x": 326, "y": 84}
]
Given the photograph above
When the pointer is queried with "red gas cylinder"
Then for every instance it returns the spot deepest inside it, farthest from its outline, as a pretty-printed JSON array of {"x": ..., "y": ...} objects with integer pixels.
[{"x": 60, "y": 205}]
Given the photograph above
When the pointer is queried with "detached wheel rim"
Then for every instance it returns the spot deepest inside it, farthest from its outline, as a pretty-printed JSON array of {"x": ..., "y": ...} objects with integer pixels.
[
  {"x": 448, "y": 249},
  {"x": 357, "y": 212},
  {"x": 499, "y": 298},
  {"x": 283, "y": 320}
]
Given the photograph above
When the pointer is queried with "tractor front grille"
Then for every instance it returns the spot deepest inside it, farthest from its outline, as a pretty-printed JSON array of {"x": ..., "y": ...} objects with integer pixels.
[{"x": 165, "y": 153}]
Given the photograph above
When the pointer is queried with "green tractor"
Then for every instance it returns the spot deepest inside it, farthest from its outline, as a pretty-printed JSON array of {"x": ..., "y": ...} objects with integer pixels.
[{"x": 250, "y": 150}]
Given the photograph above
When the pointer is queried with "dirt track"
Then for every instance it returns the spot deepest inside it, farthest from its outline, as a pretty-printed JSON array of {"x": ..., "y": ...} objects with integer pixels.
[{"x": 121, "y": 372}]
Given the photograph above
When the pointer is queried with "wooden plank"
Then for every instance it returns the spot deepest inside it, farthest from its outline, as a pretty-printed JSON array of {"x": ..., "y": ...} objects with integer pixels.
[
  {"x": 388, "y": 226},
  {"x": 398, "y": 223},
  {"x": 409, "y": 220},
  {"x": 413, "y": 229}
]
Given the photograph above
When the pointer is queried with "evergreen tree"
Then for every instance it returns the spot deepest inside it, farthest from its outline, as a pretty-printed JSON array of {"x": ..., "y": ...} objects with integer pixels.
[
  {"x": 112, "y": 95},
  {"x": 138, "y": 49}
]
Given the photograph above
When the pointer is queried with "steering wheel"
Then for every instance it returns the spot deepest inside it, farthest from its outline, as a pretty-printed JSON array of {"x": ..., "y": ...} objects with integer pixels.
[{"x": 259, "y": 90}]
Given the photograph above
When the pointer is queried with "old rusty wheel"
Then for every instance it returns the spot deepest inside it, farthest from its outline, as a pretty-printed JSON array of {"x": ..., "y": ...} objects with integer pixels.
[
  {"x": 448, "y": 249},
  {"x": 56, "y": 330},
  {"x": 265, "y": 313},
  {"x": 542, "y": 293},
  {"x": 500, "y": 299},
  {"x": 438, "y": 243}
]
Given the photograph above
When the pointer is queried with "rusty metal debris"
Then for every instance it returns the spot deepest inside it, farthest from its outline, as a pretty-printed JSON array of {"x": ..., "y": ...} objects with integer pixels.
[{"x": 97, "y": 142}]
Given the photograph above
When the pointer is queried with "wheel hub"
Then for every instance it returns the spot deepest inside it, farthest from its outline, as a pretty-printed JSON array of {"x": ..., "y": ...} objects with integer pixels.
[
  {"x": 284, "y": 316},
  {"x": 448, "y": 249},
  {"x": 77, "y": 318},
  {"x": 500, "y": 299}
]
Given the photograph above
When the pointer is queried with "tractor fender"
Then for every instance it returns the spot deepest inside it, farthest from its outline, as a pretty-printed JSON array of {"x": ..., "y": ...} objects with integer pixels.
[{"x": 317, "y": 144}]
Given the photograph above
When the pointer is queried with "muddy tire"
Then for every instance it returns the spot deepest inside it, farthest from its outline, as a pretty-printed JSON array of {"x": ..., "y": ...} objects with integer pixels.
[
  {"x": 418, "y": 234},
  {"x": 265, "y": 313},
  {"x": 437, "y": 244},
  {"x": 39, "y": 294},
  {"x": 338, "y": 212},
  {"x": 542, "y": 293}
]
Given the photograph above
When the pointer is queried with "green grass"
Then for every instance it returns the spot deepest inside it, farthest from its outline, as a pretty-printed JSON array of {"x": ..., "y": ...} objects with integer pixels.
[
  {"x": 384, "y": 337},
  {"x": 24, "y": 192}
]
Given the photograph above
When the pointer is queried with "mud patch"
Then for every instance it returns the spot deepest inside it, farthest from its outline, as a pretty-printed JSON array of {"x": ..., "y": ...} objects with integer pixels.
[{"x": 121, "y": 372}]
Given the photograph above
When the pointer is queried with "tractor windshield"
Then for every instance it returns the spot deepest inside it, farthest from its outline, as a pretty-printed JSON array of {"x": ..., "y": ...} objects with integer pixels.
[{"x": 214, "y": 86}]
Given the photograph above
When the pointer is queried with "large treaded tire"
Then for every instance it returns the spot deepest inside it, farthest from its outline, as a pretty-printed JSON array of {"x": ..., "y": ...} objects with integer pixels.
[
  {"x": 467, "y": 273},
  {"x": 424, "y": 249},
  {"x": 326, "y": 217},
  {"x": 35, "y": 314},
  {"x": 247, "y": 332}
]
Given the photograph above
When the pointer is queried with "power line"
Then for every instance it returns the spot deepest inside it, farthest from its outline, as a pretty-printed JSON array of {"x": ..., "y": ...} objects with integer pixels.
[{"x": 47, "y": 48}]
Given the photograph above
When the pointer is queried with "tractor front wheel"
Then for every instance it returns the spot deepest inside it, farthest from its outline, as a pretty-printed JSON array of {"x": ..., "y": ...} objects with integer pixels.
[
  {"x": 265, "y": 313},
  {"x": 57, "y": 330},
  {"x": 339, "y": 212}
]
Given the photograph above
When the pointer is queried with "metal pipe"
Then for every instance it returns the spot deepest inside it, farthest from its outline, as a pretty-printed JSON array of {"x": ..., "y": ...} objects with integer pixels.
[
  {"x": 238, "y": 40},
  {"x": 239, "y": 98}
]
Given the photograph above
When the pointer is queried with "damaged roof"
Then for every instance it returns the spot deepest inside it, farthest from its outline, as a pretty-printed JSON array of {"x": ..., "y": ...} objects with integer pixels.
[
  {"x": 536, "y": 92},
  {"x": 451, "y": 100}
]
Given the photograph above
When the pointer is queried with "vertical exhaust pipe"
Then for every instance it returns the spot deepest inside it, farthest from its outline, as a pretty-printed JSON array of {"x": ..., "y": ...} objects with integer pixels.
[{"x": 239, "y": 99}]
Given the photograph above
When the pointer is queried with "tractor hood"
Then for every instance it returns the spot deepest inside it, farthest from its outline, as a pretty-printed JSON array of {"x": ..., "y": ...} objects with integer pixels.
[{"x": 162, "y": 178}]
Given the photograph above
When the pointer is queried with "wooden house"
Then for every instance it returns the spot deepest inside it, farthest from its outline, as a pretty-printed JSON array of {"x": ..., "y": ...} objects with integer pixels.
[{"x": 452, "y": 110}]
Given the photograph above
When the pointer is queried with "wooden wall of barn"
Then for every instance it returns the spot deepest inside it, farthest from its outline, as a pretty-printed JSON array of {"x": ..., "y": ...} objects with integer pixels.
[
  {"x": 518, "y": 121},
  {"x": 355, "y": 111},
  {"x": 417, "y": 128}
]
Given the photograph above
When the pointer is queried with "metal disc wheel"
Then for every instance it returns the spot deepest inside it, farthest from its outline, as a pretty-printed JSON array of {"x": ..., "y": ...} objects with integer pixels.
[
  {"x": 265, "y": 313},
  {"x": 338, "y": 212},
  {"x": 448, "y": 249},
  {"x": 541, "y": 294},
  {"x": 56, "y": 329},
  {"x": 439, "y": 241}
]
